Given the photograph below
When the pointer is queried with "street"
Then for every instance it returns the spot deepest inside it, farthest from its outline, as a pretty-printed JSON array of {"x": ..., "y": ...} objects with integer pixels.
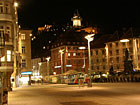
[{"x": 62, "y": 94}]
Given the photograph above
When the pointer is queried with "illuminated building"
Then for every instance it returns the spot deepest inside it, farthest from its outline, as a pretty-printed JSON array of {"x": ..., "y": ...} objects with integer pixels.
[
  {"x": 76, "y": 19},
  {"x": 45, "y": 28},
  {"x": 8, "y": 27},
  {"x": 25, "y": 52},
  {"x": 108, "y": 51},
  {"x": 72, "y": 57}
]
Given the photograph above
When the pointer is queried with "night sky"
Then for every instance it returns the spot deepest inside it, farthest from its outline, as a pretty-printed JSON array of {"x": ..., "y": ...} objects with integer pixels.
[{"x": 35, "y": 13}]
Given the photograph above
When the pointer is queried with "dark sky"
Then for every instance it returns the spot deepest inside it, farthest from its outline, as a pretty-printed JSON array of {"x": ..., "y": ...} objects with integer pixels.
[{"x": 34, "y": 13}]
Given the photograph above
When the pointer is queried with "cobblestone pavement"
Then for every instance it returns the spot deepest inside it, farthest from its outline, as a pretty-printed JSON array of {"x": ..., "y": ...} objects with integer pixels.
[{"x": 62, "y": 94}]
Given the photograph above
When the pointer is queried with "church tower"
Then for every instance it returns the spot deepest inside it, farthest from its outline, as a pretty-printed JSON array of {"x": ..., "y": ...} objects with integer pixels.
[{"x": 76, "y": 19}]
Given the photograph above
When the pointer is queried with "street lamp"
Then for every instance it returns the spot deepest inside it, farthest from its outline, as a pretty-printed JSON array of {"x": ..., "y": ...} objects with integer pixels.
[
  {"x": 83, "y": 48},
  {"x": 48, "y": 67},
  {"x": 61, "y": 52},
  {"x": 89, "y": 38},
  {"x": 15, "y": 4}
]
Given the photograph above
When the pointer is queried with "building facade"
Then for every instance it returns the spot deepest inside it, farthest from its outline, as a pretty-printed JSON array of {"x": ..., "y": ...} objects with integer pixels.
[
  {"x": 111, "y": 52},
  {"x": 8, "y": 28}
]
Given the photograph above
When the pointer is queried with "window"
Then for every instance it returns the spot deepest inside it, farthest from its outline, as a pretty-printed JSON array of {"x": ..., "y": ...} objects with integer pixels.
[
  {"x": 97, "y": 67},
  {"x": 23, "y": 49},
  {"x": 96, "y": 52},
  {"x": 103, "y": 59},
  {"x": 22, "y": 36},
  {"x": 69, "y": 48},
  {"x": 118, "y": 66},
  {"x": 124, "y": 50},
  {"x": 104, "y": 67},
  {"x": 8, "y": 33},
  {"x": 123, "y": 44},
  {"x": 110, "y": 53},
  {"x": 91, "y": 61},
  {"x": 69, "y": 62},
  {"x": 79, "y": 61},
  {"x": 117, "y": 52},
  {"x": 74, "y": 54},
  {"x": 3, "y": 58},
  {"x": 97, "y": 60},
  {"x": 75, "y": 48},
  {"x": 7, "y": 8},
  {"x": 23, "y": 63},
  {"x": 68, "y": 42},
  {"x": 103, "y": 52},
  {"x": 1, "y": 7},
  {"x": 8, "y": 55},
  {"x": 117, "y": 44},
  {"x": 110, "y": 45},
  {"x": 92, "y": 67},
  {"x": 131, "y": 56},
  {"x": 78, "y": 54},
  {"x": 117, "y": 59},
  {"x": 74, "y": 61},
  {"x": 2, "y": 33},
  {"x": 111, "y": 59},
  {"x": 69, "y": 54}
]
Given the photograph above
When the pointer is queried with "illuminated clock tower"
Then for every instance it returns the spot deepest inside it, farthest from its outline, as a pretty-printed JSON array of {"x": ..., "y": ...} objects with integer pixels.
[{"x": 76, "y": 19}]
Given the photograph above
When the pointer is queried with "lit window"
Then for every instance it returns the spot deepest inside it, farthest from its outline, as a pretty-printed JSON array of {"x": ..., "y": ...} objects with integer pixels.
[
  {"x": 23, "y": 49},
  {"x": 3, "y": 58},
  {"x": 22, "y": 36},
  {"x": 68, "y": 54},
  {"x": 74, "y": 54},
  {"x": 8, "y": 55}
]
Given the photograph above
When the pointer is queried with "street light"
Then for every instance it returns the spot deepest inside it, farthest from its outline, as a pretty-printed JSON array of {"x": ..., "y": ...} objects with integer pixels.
[
  {"x": 61, "y": 52},
  {"x": 83, "y": 48},
  {"x": 15, "y": 4},
  {"x": 89, "y": 38},
  {"x": 48, "y": 67}
]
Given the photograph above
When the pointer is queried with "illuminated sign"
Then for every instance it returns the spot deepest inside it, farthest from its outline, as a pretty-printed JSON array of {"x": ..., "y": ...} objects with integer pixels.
[
  {"x": 68, "y": 65},
  {"x": 57, "y": 67},
  {"x": 27, "y": 73}
]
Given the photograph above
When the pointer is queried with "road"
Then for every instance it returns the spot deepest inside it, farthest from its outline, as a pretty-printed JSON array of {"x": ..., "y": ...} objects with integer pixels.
[{"x": 61, "y": 94}]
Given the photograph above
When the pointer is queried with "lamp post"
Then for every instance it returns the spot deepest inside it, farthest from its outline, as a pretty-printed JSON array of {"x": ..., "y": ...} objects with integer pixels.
[
  {"x": 83, "y": 48},
  {"x": 89, "y": 38},
  {"x": 61, "y": 52},
  {"x": 48, "y": 67}
]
